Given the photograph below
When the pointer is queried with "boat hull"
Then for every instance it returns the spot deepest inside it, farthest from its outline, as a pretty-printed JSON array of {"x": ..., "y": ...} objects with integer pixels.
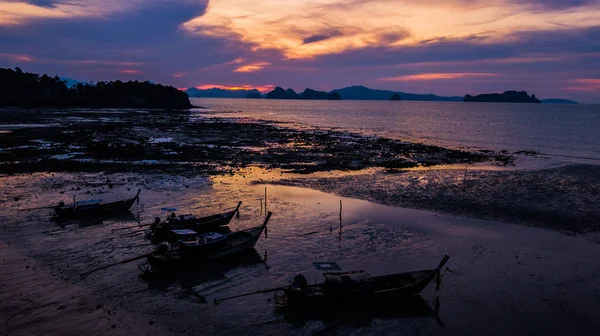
[
  {"x": 243, "y": 241},
  {"x": 164, "y": 232},
  {"x": 100, "y": 209},
  {"x": 315, "y": 298},
  {"x": 204, "y": 224},
  {"x": 379, "y": 289}
]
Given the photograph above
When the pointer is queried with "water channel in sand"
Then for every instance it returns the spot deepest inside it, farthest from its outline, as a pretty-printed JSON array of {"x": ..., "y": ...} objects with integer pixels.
[{"x": 501, "y": 278}]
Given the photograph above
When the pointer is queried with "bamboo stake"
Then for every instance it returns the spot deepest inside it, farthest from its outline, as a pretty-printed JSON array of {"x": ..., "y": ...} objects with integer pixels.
[
  {"x": 130, "y": 227},
  {"x": 465, "y": 177},
  {"x": 39, "y": 208},
  {"x": 221, "y": 300},
  {"x": 265, "y": 200},
  {"x": 85, "y": 274},
  {"x": 340, "y": 216}
]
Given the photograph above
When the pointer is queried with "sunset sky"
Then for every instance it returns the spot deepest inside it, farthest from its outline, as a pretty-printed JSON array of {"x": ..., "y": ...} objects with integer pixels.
[{"x": 447, "y": 47}]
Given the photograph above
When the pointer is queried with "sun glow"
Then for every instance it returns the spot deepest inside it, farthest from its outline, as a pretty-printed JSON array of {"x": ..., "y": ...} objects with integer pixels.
[
  {"x": 261, "y": 88},
  {"x": 436, "y": 76}
]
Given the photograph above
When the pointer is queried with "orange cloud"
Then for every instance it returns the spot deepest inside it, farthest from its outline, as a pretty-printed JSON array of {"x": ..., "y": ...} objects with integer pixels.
[
  {"x": 91, "y": 61},
  {"x": 178, "y": 75},
  {"x": 263, "y": 88},
  {"x": 436, "y": 76},
  {"x": 333, "y": 26},
  {"x": 252, "y": 67},
  {"x": 584, "y": 84},
  {"x": 131, "y": 71},
  {"x": 16, "y": 57},
  {"x": 18, "y": 12}
]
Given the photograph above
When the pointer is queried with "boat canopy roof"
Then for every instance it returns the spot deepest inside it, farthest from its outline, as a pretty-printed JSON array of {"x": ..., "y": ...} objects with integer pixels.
[
  {"x": 203, "y": 239},
  {"x": 87, "y": 202},
  {"x": 348, "y": 277},
  {"x": 184, "y": 232},
  {"x": 213, "y": 236}
]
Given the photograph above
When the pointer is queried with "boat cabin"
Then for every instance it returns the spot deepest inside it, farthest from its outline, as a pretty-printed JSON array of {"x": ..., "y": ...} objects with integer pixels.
[
  {"x": 88, "y": 202},
  {"x": 181, "y": 219},
  {"x": 198, "y": 240},
  {"x": 184, "y": 234},
  {"x": 344, "y": 282},
  {"x": 81, "y": 205}
]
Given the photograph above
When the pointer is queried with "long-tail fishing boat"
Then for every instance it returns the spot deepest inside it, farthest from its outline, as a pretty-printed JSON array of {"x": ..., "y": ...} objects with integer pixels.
[
  {"x": 360, "y": 286},
  {"x": 94, "y": 207},
  {"x": 354, "y": 287},
  {"x": 193, "y": 248},
  {"x": 164, "y": 230}
]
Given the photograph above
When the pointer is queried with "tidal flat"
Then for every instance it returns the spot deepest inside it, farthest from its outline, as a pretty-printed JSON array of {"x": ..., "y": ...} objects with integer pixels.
[
  {"x": 190, "y": 143},
  {"x": 479, "y": 183},
  {"x": 502, "y": 278}
]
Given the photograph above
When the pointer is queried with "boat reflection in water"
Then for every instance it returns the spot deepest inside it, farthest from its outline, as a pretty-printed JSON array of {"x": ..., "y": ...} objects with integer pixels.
[
  {"x": 95, "y": 220},
  {"x": 210, "y": 271},
  {"x": 359, "y": 315}
]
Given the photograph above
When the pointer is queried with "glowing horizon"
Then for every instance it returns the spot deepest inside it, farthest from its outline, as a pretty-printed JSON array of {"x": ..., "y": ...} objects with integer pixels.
[{"x": 445, "y": 47}]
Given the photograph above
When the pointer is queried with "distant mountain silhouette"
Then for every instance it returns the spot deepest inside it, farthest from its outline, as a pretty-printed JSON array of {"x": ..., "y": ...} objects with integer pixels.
[
  {"x": 220, "y": 93},
  {"x": 357, "y": 92},
  {"x": 312, "y": 94},
  {"x": 505, "y": 97},
  {"x": 280, "y": 93},
  {"x": 558, "y": 101},
  {"x": 71, "y": 83},
  {"x": 360, "y": 92},
  {"x": 395, "y": 96}
]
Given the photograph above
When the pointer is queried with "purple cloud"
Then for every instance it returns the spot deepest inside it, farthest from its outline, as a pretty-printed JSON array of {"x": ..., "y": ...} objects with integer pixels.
[{"x": 148, "y": 43}]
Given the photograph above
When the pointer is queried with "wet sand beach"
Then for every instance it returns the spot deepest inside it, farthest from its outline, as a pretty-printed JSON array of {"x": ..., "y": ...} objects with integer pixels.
[{"x": 502, "y": 278}]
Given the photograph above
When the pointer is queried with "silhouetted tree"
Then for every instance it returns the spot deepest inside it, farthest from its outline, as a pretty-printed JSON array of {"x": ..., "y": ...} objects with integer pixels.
[{"x": 18, "y": 88}]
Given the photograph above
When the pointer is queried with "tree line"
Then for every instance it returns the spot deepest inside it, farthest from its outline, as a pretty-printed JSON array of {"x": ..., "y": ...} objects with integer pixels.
[{"x": 19, "y": 88}]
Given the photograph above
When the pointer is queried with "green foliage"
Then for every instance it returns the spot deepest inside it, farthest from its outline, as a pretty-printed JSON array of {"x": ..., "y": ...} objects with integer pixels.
[{"x": 18, "y": 88}]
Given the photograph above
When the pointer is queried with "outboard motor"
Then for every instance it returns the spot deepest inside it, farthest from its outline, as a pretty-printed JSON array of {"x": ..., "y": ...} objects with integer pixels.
[
  {"x": 300, "y": 282},
  {"x": 162, "y": 248}
]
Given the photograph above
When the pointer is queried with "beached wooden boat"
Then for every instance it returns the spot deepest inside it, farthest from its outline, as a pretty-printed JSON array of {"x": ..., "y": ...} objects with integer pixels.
[
  {"x": 94, "y": 207},
  {"x": 163, "y": 230},
  {"x": 359, "y": 286},
  {"x": 196, "y": 248}
]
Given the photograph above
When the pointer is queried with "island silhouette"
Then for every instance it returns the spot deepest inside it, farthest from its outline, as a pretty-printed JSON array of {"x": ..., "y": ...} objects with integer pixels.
[
  {"x": 505, "y": 97},
  {"x": 19, "y": 88},
  {"x": 280, "y": 93}
]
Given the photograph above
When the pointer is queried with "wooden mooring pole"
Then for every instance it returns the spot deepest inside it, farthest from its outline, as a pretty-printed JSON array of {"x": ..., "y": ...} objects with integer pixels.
[
  {"x": 340, "y": 216},
  {"x": 465, "y": 177}
]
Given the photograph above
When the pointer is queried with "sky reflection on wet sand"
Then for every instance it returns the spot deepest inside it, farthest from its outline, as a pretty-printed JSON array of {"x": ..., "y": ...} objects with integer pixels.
[{"x": 493, "y": 265}]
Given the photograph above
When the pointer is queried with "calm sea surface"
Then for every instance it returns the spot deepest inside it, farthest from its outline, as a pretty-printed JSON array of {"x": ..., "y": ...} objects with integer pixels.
[{"x": 555, "y": 130}]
